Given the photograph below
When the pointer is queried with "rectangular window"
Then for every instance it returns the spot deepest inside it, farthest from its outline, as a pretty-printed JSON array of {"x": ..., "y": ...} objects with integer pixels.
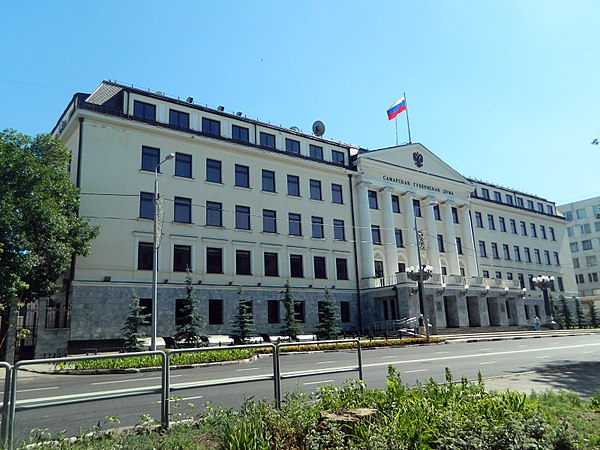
[
  {"x": 396, "y": 204},
  {"x": 146, "y": 205},
  {"x": 180, "y": 314},
  {"x": 506, "y": 251},
  {"x": 486, "y": 274},
  {"x": 211, "y": 127},
  {"x": 271, "y": 264},
  {"x": 561, "y": 286},
  {"x": 482, "y": 250},
  {"x": 502, "y": 223},
  {"x": 440, "y": 241},
  {"x": 315, "y": 190},
  {"x": 556, "y": 259},
  {"x": 376, "y": 234},
  {"x": 150, "y": 158},
  {"x": 378, "y": 268},
  {"x": 513, "y": 226},
  {"x": 478, "y": 220},
  {"x": 533, "y": 230},
  {"x": 213, "y": 171},
  {"x": 591, "y": 261},
  {"x": 179, "y": 119},
  {"x": 569, "y": 216},
  {"x": 145, "y": 257},
  {"x": 344, "y": 312},
  {"x": 338, "y": 157},
  {"x": 574, "y": 246},
  {"x": 242, "y": 176},
  {"x": 520, "y": 202},
  {"x": 339, "y": 233},
  {"x": 547, "y": 257},
  {"x": 517, "y": 253},
  {"x": 292, "y": 146},
  {"x": 576, "y": 263},
  {"x": 509, "y": 199},
  {"x": 214, "y": 214},
  {"x": 523, "y": 229},
  {"x": 580, "y": 213},
  {"x": 143, "y": 110},
  {"x": 549, "y": 210},
  {"x": 543, "y": 232},
  {"x": 498, "y": 274},
  {"x": 183, "y": 165},
  {"x": 293, "y": 185},
  {"x": 215, "y": 312},
  {"x": 373, "y": 200},
  {"x": 183, "y": 210},
  {"x": 240, "y": 134},
  {"x": 495, "y": 254},
  {"x": 436, "y": 212},
  {"x": 317, "y": 227},
  {"x": 320, "y": 267},
  {"x": 295, "y": 224},
  {"x": 300, "y": 311},
  {"x": 273, "y": 311},
  {"x": 316, "y": 151},
  {"x": 243, "y": 262},
  {"x": 529, "y": 204},
  {"x": 336, "y": 194},
  {"x": 459, "y": 248},
  {"x": 455, "y": 215},
  {"x": 296, "y": 266},
  {"x": 146, "y": 306},
  {"x": 498, "y": 196},
  {"x": 398, "y": 236},
  {"x": 417, "y": 207},
  {"x": 527, "y": 254},
  {"x": 509, "y": 275},
  {"x": 538, "y": 256},
  {"x": 491, "y": 224},
  {"x": 242, "y": 217},
  {"x": 586, "y": 245},
  {"x": 267, "y": 140},
  {"x": 268, "y": 180},
  {"x": 341, "y": 268},
  {"x": 214, "y": 260},
  {"x": 521, "y": 279},
  {"x": 269, "y": 221},
  {"x": 182, "y": 258},
  {"x": 485, "y": 193}
]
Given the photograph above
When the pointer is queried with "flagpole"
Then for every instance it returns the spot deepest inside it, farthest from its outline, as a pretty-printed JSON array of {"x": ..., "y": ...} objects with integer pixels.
[
  {"x": 396, "y": 120},
  {"x": 407, "y": 123}
]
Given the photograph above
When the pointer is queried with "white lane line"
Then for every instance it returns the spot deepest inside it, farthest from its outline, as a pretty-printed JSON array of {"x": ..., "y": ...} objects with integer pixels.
[
  {"x": 441, "y": 353},
  {"x": 415, "y": 370},
  {"x": 393, "y": 356},
  {"x": 246, "y": 370},
  {"x": 38, "y": 389},
  {"x": 135, "y": 380},
  {"x": 488, "y": 362},
  {"x": 485, "y": 349},
  {"x": 543, "y": 356},
  {"x": 325, "y": 362},
  {"x": 522, "y": 346},
  {"x": 318, "y": 382},
  {"x": 183, "y": 399},
  {"x": 585, "y": 353}
]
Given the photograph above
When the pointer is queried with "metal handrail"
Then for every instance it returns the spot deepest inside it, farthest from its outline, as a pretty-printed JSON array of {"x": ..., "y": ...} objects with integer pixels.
[{"x": 5, "y": 404}]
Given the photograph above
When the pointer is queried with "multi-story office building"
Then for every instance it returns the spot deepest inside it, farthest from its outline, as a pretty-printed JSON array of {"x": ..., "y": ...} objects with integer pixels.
[
  {"x": 583, "y": 230},
  {"x": 246, "y": 203}
]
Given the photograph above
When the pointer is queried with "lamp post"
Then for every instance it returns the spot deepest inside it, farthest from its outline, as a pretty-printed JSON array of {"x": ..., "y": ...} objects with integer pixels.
[
  {"x": 155, "y": 253},
  {"x": 545, "y": 282}
]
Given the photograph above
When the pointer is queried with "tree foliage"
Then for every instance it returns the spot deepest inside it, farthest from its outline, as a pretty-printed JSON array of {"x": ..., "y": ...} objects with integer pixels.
[
  {"x": 291, "y": 327},
  {"x": 567, "y": 316},
  {"x": 579, "y": 314},
  {"x": 243, "y": 322},
  {"x": 190, "y": 331},
  {"x": 39, "y": 225},
  {"x": 593, "y": 313},
  {"x": 136, "y": 319},
  {"x": 328, "y": 318}
]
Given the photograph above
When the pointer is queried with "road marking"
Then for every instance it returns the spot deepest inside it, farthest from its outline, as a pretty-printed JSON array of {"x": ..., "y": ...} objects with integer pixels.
[
  {"x": 38, "y": 389},
  {"x": 522, "y": 346},
  {"x": 325, "y": 362},
  {"x": 415, "y": 370},
  {"x": 588, "y": 352},
  {"x": 182, "y": 399},
  {"x": 488, "y": 362},
  {"x": 485, "y": 349},
  {"x": 393, "y": 356},
  {"x": 441, "y": 353},
  {"x": 318, "y": 382},
  {"x": 131, "y": 381},
  {"x": 543, "y": 356},
  {"x": 246, "y": 370}
]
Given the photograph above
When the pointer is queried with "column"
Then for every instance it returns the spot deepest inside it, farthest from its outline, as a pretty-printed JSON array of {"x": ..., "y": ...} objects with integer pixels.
[
  {"x": 468, "y": 242},
  {"x": 389, "y": 236},
  {"x": 409, "y": 226},
  {"x": 364, "y": 223},
  {"x": 450, "y": 239},
  {"x": 433, "y": 253}
]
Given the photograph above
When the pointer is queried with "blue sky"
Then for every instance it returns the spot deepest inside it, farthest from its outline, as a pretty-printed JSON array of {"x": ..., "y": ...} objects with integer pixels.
[{"x": 506, "y": 91}]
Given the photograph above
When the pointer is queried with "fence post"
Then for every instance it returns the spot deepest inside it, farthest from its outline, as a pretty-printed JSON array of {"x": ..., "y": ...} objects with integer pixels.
[
  {"x": 6, "y": 405},
  {"x": 277, "y": 376},
  {"x": 166, "y": 391}
]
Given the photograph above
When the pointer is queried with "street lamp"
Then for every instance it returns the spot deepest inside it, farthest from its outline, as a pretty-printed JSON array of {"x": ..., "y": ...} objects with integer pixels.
[
  {"x": 155, "y": 253},
  {"x": 419, "y": 275},
  {"x": 545, "y": 282}
]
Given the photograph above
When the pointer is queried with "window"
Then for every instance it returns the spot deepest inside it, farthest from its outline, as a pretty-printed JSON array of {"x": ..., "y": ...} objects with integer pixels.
[
  {"x": 454, "y": 215},
  {"x": 486, "y": 273},
  {"x": 293, "y": 185},
  {"x": 267, "y": 140},
  {"x": 338, "y": 157},
  {"x": 243, "y": 262},
  {"x": 538, "y": 257},
  {"x": 273, "y": 311},
  {"x": 215, "y": 312},
  {"x": 146, "y": 306},
  {"x": 396, "y": 204},
  {"x": 533, "y": 230},
  {"x": 569, "y": 216},
  {"x": 509, "y": 199},
  {"x": 376, "y": 234},
  {"x": 317, "y": 227},
  {"x": 398, "y": 236},
  {"x": 269, "y": 221},
  {"x": 495, "y": 251},
  {"x": 210, "y": 126},
  {"x": 579, "y": 278},
  {"x": 296, "y": 266},
  {"x": 580, "y": 213},
  {"x": 300, "y": 311},
  {"x": 436, "y": 212},
  {"x": 593, "y": 276},
  {"x": 214, "y": 260},
  {"x": 440, "y": 241},
  {"x": 378, "y": 269},
  {"x": 339, "y": 233},
  {"x": 150, "y": 158},
  {"x": 513, "y": 226},
  {"x": 523, "y": 229},
  {"x": 586, "y": 228},
  {"x": 143, "y": 110},
  {"x": 341, "y": 268},
  {"x": 520, "y": 202},
  {"x": 145, "y": 257},
  {"x": 183, "y": 210},
  {"x": 319, "y": 265},
  {"x": 591, "y": 261},
  {"x": 521, "y": 279},
  {"x": 373, "y": 200},
  {"x": 498, "y": 274},
  {"x": 213, "y": 170},
  {"x": 242, "y": 217},
  {"x": 401, "y": 267},
  {"x": 417, "y": 207},
  {"x": 180, "y": 313},
  {"x": 574, "y": 246},
  {"x": 214, "y": 214},
  {"x": 344, "y": 311},
  {"x": 485, "y": 193},
  {"x": 316, "y": 151},
  {"x": 586, "y": 245},
  {"x": 482, "y": 250},
  {"x": 527, "y": 254},
  {"x": 315, "y": 190},
  {"x": 179, "y": 119},
  {"x": 509, "y": 275},
  {"x": 543, "y": 232},
  {"x": 292, "y": 146},
  {"x": 459, "y": 248},
  {"x": 240, "y": 134},
  {"x": 556, "y": 259},
  {"x": 182, "y": 258},
  {"x": 183, "y": 165},
  {"x": 570, "y": 231},
  {"x": 547, "y": 257},
  {"x": 268, "y": 180},
  {"x": 271, "y": 264},
  {"x": 295, "y": 224},
  {"x": 242, "y": 176},
  {"x": 497, "y": 196},
  {"x": 576, "y": 263},
  {"x": 502, "y": 223},
  {"x": 552, "y": 236},
  {"x": 146, "y": 205},
  {"x": 561, "y": 286},
  {"x": 491, "y": 224},
  {"x": 478, "y": 220},
  {"x": 336, "y": 194},
  {"x": 517, "y": 252},
  {"x": 506, "y": 251}
]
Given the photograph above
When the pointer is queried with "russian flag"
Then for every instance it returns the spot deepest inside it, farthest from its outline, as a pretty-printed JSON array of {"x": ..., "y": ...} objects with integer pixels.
[{"x": 397, "y": 108}]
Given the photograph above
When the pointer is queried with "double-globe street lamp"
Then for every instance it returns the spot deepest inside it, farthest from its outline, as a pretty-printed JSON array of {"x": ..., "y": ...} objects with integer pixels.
[
  {"x": 155, "y": 254},
  {"x": 545, "y": 282}
]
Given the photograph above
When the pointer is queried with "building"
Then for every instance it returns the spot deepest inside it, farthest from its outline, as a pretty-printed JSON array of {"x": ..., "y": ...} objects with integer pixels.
[{"x": 246, "y": 203}]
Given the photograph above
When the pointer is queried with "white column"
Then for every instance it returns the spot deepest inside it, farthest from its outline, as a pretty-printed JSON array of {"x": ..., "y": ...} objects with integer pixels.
[
  {"x": 389, "y": 236},
  {"x": 450, "y": 239},
  {"x": 409, "y": 226},
  {"x": 468, "y": 242},
  {"x": 364, "y": 223},
  {"x": 433, "y": 253}
]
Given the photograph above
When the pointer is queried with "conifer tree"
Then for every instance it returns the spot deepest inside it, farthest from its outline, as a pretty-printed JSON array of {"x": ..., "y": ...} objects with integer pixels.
[
  {"x": 132, "y": 330},
  {"x": 328, "y": 318},
  {"x": 593, "y": 311},
  {"x": 579, "y": 314},
  {"x": 290, "y": 326},
  {"x": 243, "y": 322},
  {"x": 566, "y": 312},
  {"x": 191, "y": 328}
]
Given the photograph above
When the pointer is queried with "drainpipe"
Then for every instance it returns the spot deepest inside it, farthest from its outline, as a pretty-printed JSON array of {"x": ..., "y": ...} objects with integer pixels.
[{"x": 356, "y": 274}]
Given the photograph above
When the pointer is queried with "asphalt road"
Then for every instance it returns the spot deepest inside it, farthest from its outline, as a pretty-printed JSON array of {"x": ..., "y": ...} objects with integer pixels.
[{"x": 494, "y": 359}]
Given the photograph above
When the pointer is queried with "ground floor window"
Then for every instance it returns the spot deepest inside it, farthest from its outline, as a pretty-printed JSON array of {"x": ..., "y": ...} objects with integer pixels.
[
  {"x": 215, "y": 312},
  {"x": 300, "y": 311},
  {"x": 345, "y": 312},
  {"x": 273, "y": 311}
]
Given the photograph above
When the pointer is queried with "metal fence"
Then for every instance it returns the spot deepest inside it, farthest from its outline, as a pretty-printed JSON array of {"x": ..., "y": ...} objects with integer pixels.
[{"x": 11, "y": 405}]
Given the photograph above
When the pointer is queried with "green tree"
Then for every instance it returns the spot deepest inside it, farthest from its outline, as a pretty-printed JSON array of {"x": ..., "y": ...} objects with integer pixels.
[
  {"x": 136, "y": 319},
  {"x": 593, "y": 312},
  {"x": 290, "y": 327},
  {"x": 190, "y": 331},
  {"x": 579, "y": 314},
  {"x": 567, "y": 316},
  {"x": 243, "y": 322},
  {"x": 328, "y": 318}
]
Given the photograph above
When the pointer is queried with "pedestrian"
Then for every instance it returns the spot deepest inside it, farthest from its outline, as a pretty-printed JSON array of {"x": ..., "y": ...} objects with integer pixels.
[
  {"x": 536, "y": 323},
  {"x": 421, "y": 325}
]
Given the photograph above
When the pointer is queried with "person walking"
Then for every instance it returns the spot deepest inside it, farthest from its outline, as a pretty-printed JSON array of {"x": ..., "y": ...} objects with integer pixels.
[{"x": 537, "y": 323}]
